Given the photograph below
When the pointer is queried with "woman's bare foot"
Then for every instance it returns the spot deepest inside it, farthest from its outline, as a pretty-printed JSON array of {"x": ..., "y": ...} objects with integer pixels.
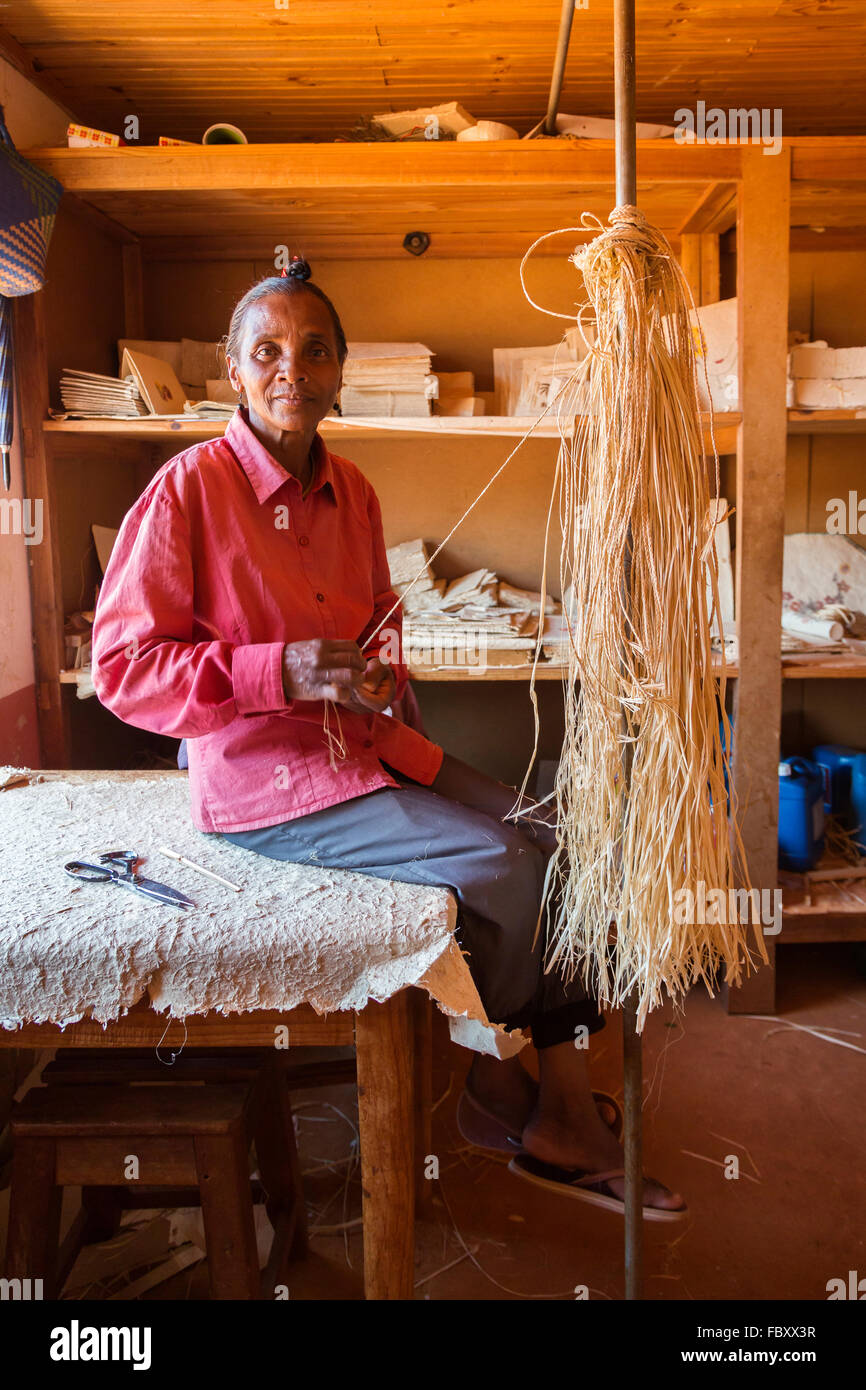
[
  {"x": 566, "y": 1129},
  {"x": 584, "y": 1141}
]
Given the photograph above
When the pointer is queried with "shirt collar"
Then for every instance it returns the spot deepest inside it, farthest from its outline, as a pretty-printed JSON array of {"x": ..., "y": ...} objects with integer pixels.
[{"x": 265, "y": 475}]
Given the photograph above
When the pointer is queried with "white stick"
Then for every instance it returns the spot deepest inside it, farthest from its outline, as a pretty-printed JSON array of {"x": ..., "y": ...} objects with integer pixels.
[{"x": 170, "y": 854}]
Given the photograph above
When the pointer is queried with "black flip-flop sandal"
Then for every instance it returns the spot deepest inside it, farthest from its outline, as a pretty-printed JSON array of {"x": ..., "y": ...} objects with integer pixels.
[
  {"x": 586, "y": 1186},
  {"x": 484, "y": 1130}
]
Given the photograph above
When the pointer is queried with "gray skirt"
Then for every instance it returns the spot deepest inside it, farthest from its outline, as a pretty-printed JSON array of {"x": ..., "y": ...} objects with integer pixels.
[{"x": 414, "y": 835}]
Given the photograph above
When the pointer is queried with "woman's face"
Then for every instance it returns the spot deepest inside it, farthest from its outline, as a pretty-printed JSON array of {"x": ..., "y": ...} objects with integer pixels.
[{"x": 287, "y": 364}]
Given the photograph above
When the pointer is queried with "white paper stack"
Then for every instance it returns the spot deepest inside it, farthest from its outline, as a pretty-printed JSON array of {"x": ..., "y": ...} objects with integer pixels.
[
  {"x": 209, "y": 410},
  {"x": 717, "y": 347},
  {"x": 529, "y": 378},
  {"x": 89, "y": 396},
  {"x": 388, "y": 379},
  {"x": 826, "y": 378},
  {"x": 476, "y": 612}
]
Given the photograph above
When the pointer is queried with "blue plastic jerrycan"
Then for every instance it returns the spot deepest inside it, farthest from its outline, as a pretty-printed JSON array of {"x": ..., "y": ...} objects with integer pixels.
[{"x": 801, "y": 814}]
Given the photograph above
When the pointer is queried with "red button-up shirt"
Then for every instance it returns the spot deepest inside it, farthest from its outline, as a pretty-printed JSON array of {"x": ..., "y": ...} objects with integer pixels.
[{"x": 220, "y": 562}]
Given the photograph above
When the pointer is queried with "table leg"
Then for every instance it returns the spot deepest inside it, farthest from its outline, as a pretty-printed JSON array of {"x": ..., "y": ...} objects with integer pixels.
[
  {"x": 383, "y": 1038},
  {"x": 422, "y": 1038}
]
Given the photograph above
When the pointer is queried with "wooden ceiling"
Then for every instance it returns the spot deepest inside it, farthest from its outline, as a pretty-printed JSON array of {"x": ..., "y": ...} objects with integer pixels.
[{"x": 287, "y": 70}]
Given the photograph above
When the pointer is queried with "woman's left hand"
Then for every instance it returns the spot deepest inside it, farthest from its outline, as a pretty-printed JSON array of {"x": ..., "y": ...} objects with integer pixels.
[{"x": 376, "y": 690}]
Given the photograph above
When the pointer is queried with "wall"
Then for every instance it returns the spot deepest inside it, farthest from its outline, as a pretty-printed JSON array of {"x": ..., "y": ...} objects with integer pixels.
[{"x": 32, "y": 120}]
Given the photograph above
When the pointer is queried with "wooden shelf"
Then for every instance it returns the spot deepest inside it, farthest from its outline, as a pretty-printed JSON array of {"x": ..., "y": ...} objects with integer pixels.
[
  {"x": 504, "y": 426},
  {"x": 848, "y": 665},
  {"x": 360, "y": 198},
  {"x": 355, "y": 200},
  {"x": 845, "y": 665},
  {"x": 835, "y": 912},
  {"x": 826, "y": 421}
]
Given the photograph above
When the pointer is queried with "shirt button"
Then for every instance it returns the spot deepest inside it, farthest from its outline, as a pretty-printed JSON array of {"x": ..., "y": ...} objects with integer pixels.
[
  {"x": 321, "y": 598},
  {"x": 368, "y": 743},
  {"x": 303, "y": 540}
]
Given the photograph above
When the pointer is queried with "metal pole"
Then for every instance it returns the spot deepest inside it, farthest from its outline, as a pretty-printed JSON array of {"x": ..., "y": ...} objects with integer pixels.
[
  {"x": 626, "y": 193},
  {"x": 559, "y": 66}
]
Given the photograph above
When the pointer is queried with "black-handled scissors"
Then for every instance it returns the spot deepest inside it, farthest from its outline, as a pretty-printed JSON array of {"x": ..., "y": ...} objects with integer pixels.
[{"x": 118, "y": 866}]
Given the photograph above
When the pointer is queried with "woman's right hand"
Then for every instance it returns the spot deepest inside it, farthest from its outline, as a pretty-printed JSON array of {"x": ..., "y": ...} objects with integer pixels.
[{"x": 322, "y": 668}]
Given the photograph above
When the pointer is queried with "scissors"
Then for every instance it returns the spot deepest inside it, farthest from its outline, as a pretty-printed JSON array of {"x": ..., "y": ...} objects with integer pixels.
[{"x": 118, "y": 866}]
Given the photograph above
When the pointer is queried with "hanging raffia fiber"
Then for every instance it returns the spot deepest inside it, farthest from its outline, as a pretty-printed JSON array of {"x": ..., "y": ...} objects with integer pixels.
[{"x": 640, "y": 790}]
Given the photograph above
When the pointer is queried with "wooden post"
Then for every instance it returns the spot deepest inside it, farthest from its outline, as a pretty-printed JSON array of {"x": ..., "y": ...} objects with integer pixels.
[
  {"x": 710, "y": 269},
  {"x": 383, "y": 1042},
  {"x": 699, "y": 258},
  {"x": 762, "y": 294},
  {"x": 690, "y": 260},
  {"x": 46, "y": 591}
]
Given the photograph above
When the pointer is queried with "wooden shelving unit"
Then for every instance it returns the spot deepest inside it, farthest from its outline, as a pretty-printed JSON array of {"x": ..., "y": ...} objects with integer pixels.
[{"x": 354, "y": 201}]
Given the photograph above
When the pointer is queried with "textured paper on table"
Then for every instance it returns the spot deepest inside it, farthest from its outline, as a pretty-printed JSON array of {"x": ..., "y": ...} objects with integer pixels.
[{"x": 295, "y": 934}]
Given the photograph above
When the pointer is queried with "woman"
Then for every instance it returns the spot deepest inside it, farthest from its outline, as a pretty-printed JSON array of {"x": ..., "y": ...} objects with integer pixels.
[{"x": 247, "y": 587}]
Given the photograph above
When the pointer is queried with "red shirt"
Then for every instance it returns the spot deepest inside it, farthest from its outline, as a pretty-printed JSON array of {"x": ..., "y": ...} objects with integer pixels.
[{"x": 220, "y": 562}]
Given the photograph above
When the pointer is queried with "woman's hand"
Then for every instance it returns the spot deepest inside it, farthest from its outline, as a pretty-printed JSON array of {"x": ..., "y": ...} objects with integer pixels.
[
  {"x": 375, "y": 692},
  {"x": 322, "y": 668}
]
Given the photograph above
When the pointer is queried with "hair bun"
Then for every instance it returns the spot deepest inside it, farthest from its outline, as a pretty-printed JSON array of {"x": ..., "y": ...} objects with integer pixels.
[{"x": 298, "y": 269}]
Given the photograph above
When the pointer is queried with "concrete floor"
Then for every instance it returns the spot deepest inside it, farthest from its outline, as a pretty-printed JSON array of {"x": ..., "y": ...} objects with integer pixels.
[{"x": 786, "y": 1103}]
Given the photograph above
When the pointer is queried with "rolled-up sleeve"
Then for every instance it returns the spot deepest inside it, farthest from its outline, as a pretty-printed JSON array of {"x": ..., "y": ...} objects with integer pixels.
[{"x": 148, "y": 667}]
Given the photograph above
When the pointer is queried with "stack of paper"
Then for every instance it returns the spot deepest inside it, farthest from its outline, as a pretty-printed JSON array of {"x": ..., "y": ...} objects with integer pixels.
[
  {"x": 528, "y": 379},
  {"x": 209, "y": 410},
  {"x": 826, "y": 378},
  {"x": 476, "y": 612},
  {"x": 388, "y": 379},
  {"x": 89, "y": 396}
]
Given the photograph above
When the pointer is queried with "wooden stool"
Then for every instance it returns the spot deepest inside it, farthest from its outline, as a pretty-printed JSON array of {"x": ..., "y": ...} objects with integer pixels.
[
  {"x": 392, "y": 1042},
  {"x": 278, "y": 1072},
  {"x": 192, "y": 1145}
]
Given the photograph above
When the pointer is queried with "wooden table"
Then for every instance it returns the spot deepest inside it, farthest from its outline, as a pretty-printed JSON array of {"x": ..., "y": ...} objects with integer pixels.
[{"x": 393, "y": 1048}]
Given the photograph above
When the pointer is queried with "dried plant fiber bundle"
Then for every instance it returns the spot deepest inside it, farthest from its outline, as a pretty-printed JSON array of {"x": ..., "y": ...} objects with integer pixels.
[{"x": 640, "y": 790}]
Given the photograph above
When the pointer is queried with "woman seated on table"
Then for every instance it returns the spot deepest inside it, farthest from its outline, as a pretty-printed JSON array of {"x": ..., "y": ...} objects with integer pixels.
[{"x": 246, "y": 589}]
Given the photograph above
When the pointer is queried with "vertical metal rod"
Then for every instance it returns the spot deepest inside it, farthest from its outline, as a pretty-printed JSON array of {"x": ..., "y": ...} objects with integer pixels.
[
  {"x": 626, "y": 193},
  {"x": 559, "y": 66},
  {"x": 624, "y": 102}
]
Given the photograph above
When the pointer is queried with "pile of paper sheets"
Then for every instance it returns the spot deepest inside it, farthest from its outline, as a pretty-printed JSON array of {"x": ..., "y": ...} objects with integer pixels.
[
  {"x": 475, "y": 610},
  {"x": 825, "y": 378},
  {"x": 528, "y": 378},
  {"x": 89, "y": 396},
  {"x": 388, "y": 379}
]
